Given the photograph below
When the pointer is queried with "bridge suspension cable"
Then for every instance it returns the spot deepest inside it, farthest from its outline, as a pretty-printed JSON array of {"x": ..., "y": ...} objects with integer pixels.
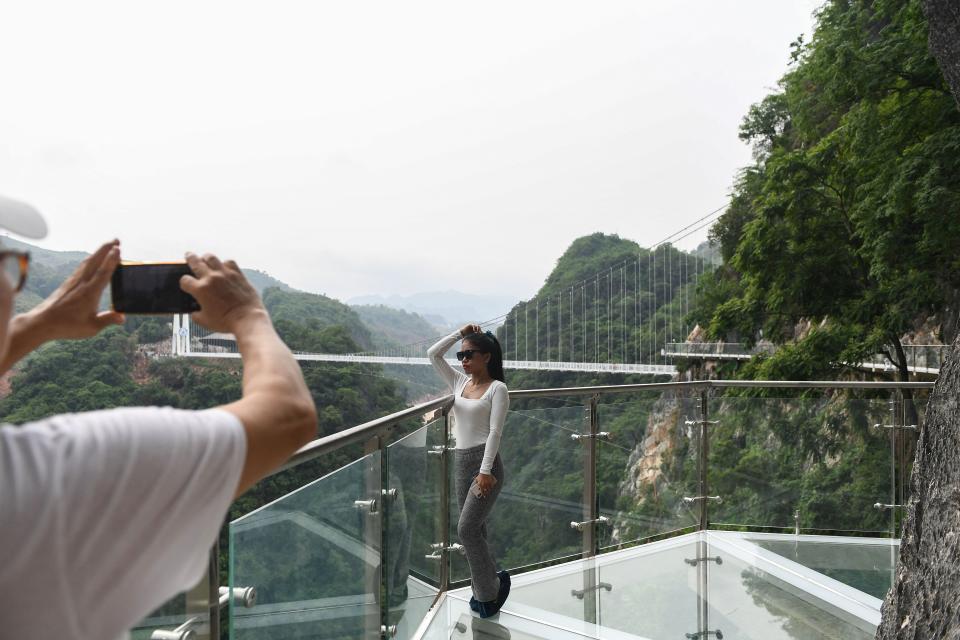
[{"x": 577, "y": 318}]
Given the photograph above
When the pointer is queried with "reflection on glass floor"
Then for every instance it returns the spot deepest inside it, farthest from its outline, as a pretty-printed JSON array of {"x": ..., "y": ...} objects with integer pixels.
[{"x": 768, "y": 586}]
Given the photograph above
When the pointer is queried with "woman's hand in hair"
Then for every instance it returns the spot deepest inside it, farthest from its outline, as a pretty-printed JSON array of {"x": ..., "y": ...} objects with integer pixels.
[{"x": 470, "y": 328}]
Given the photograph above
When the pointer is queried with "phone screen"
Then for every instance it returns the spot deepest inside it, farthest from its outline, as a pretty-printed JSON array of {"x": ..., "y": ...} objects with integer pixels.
[{"x": 151, "y": 289}]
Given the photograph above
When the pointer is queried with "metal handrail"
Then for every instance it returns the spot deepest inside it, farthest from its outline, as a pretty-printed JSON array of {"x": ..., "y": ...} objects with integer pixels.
[
  {"x": 382, "y": 425},
  {"x": 361, "y": 433}
]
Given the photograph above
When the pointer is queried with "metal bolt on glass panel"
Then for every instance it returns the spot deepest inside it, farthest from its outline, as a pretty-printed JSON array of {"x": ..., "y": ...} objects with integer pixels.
[{"x": 589, "y": 524}]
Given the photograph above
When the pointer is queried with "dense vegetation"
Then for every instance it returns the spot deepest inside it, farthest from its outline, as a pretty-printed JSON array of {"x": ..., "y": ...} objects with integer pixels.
[{"x": 848, "y": 216}]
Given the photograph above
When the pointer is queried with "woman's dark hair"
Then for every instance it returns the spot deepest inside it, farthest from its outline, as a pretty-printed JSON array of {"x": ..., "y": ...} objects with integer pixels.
[{"x": 488, "y": 343}]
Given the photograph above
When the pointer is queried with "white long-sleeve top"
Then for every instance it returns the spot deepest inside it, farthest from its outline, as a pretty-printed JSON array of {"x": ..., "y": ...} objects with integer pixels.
[{"x": 476, "y": 421}]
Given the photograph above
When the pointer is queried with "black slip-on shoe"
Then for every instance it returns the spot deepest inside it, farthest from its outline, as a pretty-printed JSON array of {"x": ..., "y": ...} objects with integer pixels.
[
  {"x": 488, "y": 609},
  {"x": 474, "y": 604},
  {"x": 504, "y": 588},
  {"x": 492, "y": 608}
]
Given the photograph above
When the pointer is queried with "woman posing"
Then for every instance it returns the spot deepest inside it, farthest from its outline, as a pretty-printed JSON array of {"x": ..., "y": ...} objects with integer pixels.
[{"x": 479, "y": 410}]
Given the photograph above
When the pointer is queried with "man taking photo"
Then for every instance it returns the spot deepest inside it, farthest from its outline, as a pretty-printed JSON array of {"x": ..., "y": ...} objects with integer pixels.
[{"x": 105, "y": 515}]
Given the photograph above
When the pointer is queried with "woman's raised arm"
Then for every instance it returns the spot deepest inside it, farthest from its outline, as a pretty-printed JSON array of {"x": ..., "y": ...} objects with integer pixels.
[{"x": 450, "y": 375}]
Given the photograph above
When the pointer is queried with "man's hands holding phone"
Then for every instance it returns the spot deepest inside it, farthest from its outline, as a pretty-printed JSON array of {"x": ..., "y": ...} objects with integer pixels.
[
  {"x": 73, "y": 310},
  {"x": 226, "y": 298}
]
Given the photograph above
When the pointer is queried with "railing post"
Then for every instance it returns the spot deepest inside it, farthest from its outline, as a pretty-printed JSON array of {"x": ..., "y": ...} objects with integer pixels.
[
  {"x": 445, "y": 504},
  {"x": 174, "y": 350},
  {"x": 703, "y": 450},
  {"x": 703, "y": 572},
  {"x": 590, "y": 479},
  {"x": 378, "y": 613},
  {"x": 590, "y": 511},
  {"x": 198, "y": 599},
  {"x": 213, "y": 585}
]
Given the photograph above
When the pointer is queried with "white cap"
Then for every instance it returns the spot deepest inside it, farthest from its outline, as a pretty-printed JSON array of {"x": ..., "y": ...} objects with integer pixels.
[{"x": 22, "y": 219}]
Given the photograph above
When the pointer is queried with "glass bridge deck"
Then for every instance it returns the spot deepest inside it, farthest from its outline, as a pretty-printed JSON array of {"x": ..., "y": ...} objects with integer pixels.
[{"x": 768, "y": 586}]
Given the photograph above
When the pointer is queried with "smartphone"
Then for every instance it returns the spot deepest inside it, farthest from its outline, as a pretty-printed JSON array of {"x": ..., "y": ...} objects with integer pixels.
[
  {"x": 151, "y": 288},
  {"x": 475, "y": 487}
]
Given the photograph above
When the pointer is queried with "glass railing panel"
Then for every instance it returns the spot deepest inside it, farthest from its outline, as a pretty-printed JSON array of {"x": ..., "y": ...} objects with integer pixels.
[
  {"x": 866, "y": 564},
  {"x": 649, "y": 591},
  {"x": 759, "y": 597},
  {"x": 562, "y": 595},
  {"x": 314, "y": 558},
  {"x": 647, "y": 466},
  {"x": 542, "y": 492},
  {"x": 412, "y": 527},
  {"x": 813, "y": 465}
]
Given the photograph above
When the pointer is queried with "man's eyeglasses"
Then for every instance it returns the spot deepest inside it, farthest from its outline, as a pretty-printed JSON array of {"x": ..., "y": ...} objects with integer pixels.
[
  {"x": 466, "y": 354},
  {"x": 15, "y": 265}
]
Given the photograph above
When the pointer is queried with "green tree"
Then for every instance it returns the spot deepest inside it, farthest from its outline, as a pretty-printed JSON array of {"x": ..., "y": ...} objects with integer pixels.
[{"x": 849, "y": 213}]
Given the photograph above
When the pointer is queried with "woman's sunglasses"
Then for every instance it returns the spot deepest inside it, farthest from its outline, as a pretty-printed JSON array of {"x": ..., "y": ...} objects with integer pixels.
[{"x": 466, "y": 354}]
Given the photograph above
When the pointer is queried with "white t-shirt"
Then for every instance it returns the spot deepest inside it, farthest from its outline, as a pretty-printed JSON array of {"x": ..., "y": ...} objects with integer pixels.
[
  {"x": 476, "y": 421},
  {"x": 106, "y": 515}
]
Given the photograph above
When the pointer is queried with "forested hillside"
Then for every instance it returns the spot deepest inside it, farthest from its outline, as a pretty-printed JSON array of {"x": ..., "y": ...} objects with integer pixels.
[
  {"x": 391, "y": 327},
  {"x": 846, "y": 225},
  {"x": 849, "y": 218}
]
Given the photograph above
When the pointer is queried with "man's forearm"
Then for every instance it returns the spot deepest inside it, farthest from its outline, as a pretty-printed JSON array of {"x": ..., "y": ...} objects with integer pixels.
[
  {"x": 276, "y": 409},
  {"x": 268, "y": 365},
  {"x": 27, "y": 332}
]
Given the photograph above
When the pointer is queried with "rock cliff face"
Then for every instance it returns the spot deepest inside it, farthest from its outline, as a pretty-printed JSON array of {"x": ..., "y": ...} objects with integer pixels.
[
  {"x": 923, "y": 603},
  {"x": 646, "y": 460},
  {"x": 943, "y": 17}
]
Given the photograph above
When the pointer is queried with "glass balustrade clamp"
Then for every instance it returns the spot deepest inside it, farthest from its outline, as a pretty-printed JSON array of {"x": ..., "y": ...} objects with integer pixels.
[
  {"x": 909, "y": 427},
  {"x": 579, "y": 593},
  {"x": 580, "y": 526},
  {"x": 369, "y": 505},
  {"x": 388, "y": 631},
  {"x": 694, "y": 561},
  {"x": 705, "y": 634},
  {"x": 692, "y": 499},
  {"x": 602, "y": 435},
  {"x": 439, "y": 548},
  {"x": 879, "y": 506},
  {"x": 245, "y": 597},
  {"x": 439, "y": 450},
  {"x": 180, "y": 633}
]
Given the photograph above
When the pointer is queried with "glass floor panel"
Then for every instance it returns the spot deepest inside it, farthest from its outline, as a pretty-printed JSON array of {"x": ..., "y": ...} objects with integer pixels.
[
  {"x": 763, "y": 586},
  {"x": 866, "y": 564}
]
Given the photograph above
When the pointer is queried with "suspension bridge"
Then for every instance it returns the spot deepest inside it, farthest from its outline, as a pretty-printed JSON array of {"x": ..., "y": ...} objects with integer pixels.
[
  {"x": 630, "y": 317},
  {"x": 617, "y": 320}
]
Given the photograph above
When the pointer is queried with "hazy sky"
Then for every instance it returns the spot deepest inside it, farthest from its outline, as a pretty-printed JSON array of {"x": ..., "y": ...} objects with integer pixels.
[{"x": 365, "y": 147}]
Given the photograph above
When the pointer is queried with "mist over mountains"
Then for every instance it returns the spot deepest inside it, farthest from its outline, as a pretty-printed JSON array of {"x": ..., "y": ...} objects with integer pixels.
[{"x": 446, "y": 309}]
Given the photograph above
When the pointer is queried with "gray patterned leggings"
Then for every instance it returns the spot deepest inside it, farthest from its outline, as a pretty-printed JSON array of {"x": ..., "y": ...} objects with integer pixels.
[{"x": 472, "y": 527}]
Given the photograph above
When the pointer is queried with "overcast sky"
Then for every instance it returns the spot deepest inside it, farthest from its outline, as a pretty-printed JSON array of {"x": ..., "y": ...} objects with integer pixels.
[{"x": 359, "y": 147}]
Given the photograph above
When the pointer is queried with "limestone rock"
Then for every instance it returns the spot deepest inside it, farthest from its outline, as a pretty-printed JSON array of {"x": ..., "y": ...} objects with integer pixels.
[
  {"x": 925, "y": 599},
  {"x": 924, "y": 602},
  {"x": 943, "y": 17}
]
